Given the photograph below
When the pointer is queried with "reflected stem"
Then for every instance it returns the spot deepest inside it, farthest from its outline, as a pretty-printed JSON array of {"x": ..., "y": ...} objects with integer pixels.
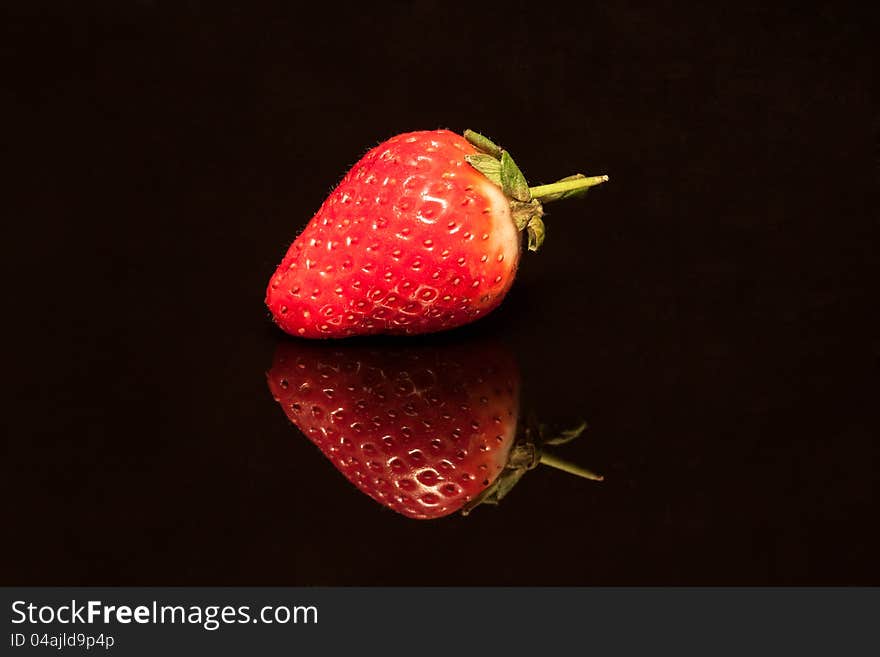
[{"x": 571, "y": 468}]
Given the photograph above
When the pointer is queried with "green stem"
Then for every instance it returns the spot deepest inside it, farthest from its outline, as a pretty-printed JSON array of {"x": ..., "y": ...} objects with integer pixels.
[
  {"x": 566, "y": 186},
  {"x": 571, "y": 468}
]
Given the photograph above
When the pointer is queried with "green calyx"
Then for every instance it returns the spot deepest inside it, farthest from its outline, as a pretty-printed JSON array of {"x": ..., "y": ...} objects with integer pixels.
[
  {"x": 527, "y": 453},
  {"x": 525, "y": 202}
]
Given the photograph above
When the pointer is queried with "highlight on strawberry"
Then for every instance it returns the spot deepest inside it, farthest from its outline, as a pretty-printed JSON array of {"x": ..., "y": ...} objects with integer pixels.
[
  {"x": 424, "y": 430},
  {"x": 423, "y": 234}
]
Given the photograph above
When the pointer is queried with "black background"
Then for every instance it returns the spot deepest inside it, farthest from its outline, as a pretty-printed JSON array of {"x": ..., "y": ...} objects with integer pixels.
[{"x": 708, "y": 311}]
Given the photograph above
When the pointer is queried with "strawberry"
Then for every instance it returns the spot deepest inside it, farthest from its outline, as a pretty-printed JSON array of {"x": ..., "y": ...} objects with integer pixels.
[
  {"x": 421, "y": 235},
  {"x": 423, "y": 431}
]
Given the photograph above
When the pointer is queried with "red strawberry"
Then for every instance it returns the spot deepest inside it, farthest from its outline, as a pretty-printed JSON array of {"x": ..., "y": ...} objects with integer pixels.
[
  {"x": 422, "y": 235},
  {"x": 423, "y": 431}
]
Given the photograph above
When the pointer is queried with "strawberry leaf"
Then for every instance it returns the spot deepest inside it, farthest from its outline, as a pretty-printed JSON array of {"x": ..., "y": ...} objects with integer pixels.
[
  {"x": 487, "y": 165},
  {"x": 483, "y": 144},
  {"x": 513, "y": 182},
  {"x": 495, "y": 493},
  {"x": 567, "y": 435},
  {"x": 523, "y": 457},
  {"x": 523, "y": 212},
  {"x": 536, "y": 233}
]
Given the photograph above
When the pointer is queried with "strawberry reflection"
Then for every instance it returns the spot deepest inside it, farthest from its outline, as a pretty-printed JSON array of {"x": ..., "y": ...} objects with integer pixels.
[{"x": 424, "y": 430}]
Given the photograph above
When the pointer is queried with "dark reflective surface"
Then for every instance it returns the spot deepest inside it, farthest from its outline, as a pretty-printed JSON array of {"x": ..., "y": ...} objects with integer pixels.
[
  {"x": 709, "y": 311},
  {"x": 426, "y": 428}
]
